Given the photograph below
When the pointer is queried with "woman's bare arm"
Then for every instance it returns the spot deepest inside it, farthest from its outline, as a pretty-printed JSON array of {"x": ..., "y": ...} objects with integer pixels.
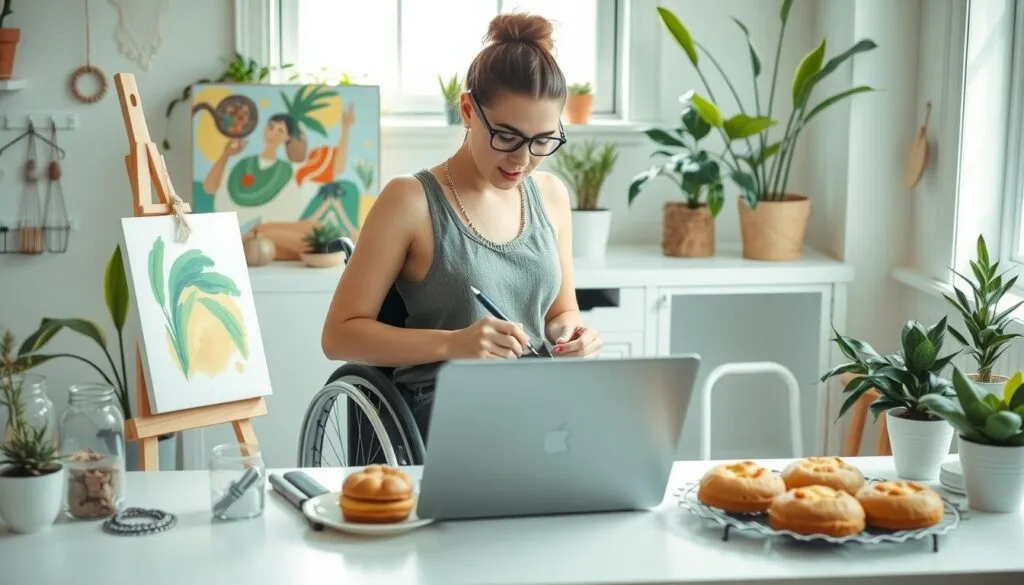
[{"x": 351, "y": 330}]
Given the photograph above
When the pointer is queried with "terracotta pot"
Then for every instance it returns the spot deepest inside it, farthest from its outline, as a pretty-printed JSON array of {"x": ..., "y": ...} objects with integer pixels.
[
  {"x": 328, "y": 260},
  {"x": 687, "y": 232},
  {"x": 577, "y": 108},
  {"x": 9, "y": 38},
  {"x": 774, "y": 230}
]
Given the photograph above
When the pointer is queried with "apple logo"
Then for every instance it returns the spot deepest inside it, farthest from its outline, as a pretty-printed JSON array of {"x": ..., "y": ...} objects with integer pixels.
[{"x": 556, "y": 441}]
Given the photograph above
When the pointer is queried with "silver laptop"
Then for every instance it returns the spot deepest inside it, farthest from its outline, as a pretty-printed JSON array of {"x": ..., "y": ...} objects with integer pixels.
[{"x": 553, "y": 436}]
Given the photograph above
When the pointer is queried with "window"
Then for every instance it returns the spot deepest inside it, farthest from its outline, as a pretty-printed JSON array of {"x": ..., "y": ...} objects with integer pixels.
[
  {"x": 403, "y": 46},
  {"x": 1013, "y": 226}
]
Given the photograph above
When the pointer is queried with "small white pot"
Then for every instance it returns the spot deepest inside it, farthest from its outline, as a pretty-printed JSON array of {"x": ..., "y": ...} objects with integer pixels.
[
  {"x": 993, "y": 387},
  {"x": 918, "y": 447},
  {"x": 31, "y": 504},
  {"x": 590, "y": 231},
  {"x": 993, "y": 476}
]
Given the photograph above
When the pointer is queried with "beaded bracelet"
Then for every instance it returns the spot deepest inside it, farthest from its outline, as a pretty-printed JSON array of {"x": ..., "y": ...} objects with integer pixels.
[{"x": 154, "y": 521}]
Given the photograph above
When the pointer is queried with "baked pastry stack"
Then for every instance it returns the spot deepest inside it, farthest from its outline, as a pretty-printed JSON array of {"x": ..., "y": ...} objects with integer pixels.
[
  {"x": 820, "y": 495},
  {"x": 377, "y": 494}
]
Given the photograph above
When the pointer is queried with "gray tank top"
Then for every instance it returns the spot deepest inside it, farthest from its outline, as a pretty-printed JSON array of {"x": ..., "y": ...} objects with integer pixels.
[{"x": 522, "y": 276}]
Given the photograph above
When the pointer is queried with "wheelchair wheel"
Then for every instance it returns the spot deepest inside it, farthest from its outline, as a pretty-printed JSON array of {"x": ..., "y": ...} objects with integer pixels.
[{"x": 322, "y": 443}]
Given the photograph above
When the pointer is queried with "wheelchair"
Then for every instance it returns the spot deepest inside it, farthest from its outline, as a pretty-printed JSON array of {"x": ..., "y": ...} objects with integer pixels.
[{"x": 380, "y": 427}]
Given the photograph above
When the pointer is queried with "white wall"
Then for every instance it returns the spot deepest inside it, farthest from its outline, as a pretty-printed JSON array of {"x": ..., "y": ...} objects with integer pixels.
[{"x": 848, "y": 167}]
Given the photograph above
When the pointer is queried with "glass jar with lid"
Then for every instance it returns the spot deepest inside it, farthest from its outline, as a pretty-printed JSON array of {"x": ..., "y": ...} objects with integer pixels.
[
  {"x": 37, "y": 407},
  {"x": 92, "y": 444}
]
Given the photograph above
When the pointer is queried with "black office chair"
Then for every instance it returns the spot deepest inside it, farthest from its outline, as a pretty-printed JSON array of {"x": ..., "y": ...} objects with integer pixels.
[{"x": 380, "y": 427}]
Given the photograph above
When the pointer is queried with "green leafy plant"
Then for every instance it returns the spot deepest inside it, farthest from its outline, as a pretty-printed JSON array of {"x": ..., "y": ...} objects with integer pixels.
[
  {"x": 585, "y": 167},
  {"x": 320, "y": 238},
  {"x": 693, "y": 170},
  {"x": 365, "y": 172},
  {"x": 5, "y": 12},
  {"x": 762, "y": 171},
  {"x": 450, "y": 89},
  {"x": 179, "y": 293},
  {"x": 116, "y": 297},
  {"x": 579, "y": 88},
  {"x": 986, "y": 324},
  {"x": 901, "y": 378},
  {"x": 29, "y": 451},
  {"x": 982, "y": 417}
]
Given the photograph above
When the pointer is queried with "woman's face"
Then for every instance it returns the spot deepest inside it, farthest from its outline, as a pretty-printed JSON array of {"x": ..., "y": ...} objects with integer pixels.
[{"x": 511, "y": 118}]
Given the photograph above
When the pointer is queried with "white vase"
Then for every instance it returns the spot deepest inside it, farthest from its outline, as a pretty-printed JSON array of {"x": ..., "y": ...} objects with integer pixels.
[
  {"x": 590, "y": 231},
  {"x": 993, "y": 476},
  {"x": 993, "y": 387},
  {"x": 918, "y": 447},
  {"x": 31, "y": 504}
]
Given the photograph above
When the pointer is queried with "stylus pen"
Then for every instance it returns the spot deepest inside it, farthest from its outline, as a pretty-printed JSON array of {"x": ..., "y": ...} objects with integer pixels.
[
  {"x": 294, "y": 497},
  {"x": 494, "y": 310}
]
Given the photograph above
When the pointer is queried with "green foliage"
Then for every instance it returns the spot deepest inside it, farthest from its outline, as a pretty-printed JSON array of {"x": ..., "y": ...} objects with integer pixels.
[
  {"x": 6, "y": 12},
  {"x": 579, "y": 88},
  {"x": 319, "y": 239},
  {"x": 177, "y": 297},
  {"x": 986, "y": 324},
  {"x": 902, "y": 379},
  {"x": 116, "y": 297},
  {"x": 762, "y": 170},
  {"x": 450, "y": 89},
  {"x": 308, "y": 99},
  {"x": 365, "y": 172},
  {"x": 982, "y": 417},
  {"x": 28, "y": 450},
  {"x": 585, "y": 167},
  {"x": 694, "y": 170}
]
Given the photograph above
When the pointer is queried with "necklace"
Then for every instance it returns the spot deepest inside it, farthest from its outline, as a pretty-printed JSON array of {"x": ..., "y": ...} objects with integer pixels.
[{"x": 469, "y": 222}]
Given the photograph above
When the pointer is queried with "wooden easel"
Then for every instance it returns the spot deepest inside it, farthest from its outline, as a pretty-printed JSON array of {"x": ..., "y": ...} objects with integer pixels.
[{"x": 146, "y": 169}]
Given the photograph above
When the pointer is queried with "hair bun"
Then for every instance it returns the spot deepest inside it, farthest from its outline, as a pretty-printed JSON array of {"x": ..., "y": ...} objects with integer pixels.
[{"x": 519, "y": 27}]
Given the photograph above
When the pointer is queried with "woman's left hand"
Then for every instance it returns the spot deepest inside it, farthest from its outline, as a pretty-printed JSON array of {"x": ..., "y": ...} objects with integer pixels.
[{"x": 577, "y": 342}]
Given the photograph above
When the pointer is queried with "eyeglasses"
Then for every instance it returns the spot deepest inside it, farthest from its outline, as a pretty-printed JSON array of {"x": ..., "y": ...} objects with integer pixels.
[{"x": 511, "y": 140}]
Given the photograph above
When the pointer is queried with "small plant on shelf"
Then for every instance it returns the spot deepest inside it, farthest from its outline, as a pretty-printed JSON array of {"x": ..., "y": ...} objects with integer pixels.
[
  {"x": 322, "y": 250},
  {"x": 585, "y": 167},
  {"x": 579, "y": 103},
  {"x": 27, "y": 451},
  {"x": 451, "y": 90}
]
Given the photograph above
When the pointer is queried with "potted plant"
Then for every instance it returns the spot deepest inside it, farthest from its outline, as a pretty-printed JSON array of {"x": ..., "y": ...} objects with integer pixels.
[
  {"x": 990, "y": 440},
  {"x": 451, "y": 90},
  {"x": 321, "y": 249},
  {"x": 920, "y": 439},
  {"x": 585, "y": 167},
  {"x": 688, "y": 225},
  {"x": 773, "y": 221},
  {"x": 31, "y": 474},
  {"x": 579, "y": 103},
  {"x": 987, "y": 326},
  {"x": 116, "y": 296},
  {"x": 9, "y": 38}
]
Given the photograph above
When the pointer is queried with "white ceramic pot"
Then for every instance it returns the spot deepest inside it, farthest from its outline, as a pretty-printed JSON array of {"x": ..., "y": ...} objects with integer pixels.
[
  {"x": 590, "y": 230},
  {"x": 918, "y": 447},
  {"x": 31, "y": 504},
  {"x": 993, "y": 476},
  {"x": 993, "y": 387}
]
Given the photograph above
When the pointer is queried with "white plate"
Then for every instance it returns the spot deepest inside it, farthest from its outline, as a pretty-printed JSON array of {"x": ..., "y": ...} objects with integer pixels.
[{"x": 325, "y": 509}]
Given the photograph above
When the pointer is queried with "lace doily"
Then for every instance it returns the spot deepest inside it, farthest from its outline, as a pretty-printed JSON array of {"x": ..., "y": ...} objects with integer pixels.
[{"x": 139, "y": 31}]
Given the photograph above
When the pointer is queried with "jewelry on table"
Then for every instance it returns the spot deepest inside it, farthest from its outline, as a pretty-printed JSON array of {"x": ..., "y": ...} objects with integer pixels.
[{"x": 152, "y": 521}]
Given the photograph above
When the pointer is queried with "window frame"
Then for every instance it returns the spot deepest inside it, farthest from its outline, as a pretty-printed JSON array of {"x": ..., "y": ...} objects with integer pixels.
[
  {"x": 607, "y": 102},
  {"x": 1013, "y": 185}
]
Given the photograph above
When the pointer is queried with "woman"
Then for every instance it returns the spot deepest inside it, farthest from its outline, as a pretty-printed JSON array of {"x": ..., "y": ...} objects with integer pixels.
[{"x": 483, "y": 218}]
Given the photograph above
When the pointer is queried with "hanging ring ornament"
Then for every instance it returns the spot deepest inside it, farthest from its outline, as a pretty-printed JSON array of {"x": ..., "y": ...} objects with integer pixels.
[{"x": 97, "y": 74}]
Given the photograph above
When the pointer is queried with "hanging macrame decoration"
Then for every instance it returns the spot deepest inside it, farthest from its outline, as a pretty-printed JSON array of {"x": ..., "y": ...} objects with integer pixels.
[{"x": 139, "y": 31}]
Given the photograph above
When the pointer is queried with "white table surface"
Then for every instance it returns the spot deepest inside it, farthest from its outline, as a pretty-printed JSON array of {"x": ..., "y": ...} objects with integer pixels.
[{"x": 667, "y": 545}]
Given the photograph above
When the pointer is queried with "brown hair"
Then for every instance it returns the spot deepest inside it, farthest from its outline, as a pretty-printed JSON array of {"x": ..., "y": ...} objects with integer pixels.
[{"x": 517, "y": 59}]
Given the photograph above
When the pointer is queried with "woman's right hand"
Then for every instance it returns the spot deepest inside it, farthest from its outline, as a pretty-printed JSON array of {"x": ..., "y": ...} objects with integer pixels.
[{"x": 489, "y": 338}]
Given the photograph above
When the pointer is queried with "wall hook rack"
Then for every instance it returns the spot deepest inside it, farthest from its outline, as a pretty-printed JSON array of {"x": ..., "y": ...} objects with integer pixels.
[{"x": 31, "y": 131}]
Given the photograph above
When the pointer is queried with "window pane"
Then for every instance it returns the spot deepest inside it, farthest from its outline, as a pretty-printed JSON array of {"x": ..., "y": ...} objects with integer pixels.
[
  {"x": 440, "y": 37},
  {"x": 333, "y": 40},
  {"x": 575, "y": 34}
]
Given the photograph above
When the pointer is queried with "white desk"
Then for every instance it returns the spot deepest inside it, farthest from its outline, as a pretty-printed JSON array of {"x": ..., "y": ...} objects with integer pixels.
[
  {"x": 667, "y": 545},
  {"x": 725, "y": 308}
]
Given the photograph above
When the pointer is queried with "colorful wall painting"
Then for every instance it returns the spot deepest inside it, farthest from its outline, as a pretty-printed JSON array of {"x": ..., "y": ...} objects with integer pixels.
[
  {"x": 285, "y": 157},
  {"x": 201, "y": 341}
]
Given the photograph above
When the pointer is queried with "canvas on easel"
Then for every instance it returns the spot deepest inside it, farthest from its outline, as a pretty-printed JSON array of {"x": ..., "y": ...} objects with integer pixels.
[{"x": 181, "y": 271}]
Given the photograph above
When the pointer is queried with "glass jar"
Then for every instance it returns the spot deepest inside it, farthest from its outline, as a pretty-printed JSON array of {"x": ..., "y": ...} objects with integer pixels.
[
  {"x": 38, "y": 408},
  {"x": 237, "y": 481},
  {"x": 92, "y": 432}
]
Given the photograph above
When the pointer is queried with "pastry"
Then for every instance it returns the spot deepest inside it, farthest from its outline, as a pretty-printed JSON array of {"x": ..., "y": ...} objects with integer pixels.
[
  {"x": 377, "y": 494},
  {"x": 817, "y": 509},
  {"x": 828, "y": 471},
  {"x": 900, "y": 505},
  {"x": 741, "y": 487}
]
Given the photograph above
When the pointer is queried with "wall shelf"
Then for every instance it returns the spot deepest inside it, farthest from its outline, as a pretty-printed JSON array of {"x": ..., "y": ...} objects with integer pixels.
[{"x": 12, "y": 84}]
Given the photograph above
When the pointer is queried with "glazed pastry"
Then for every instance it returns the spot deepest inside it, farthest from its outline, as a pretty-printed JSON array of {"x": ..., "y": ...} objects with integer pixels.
[
  {"x": 828, "y": 471},
  {"x": 901, "y": 505},
  {"x": 377, "y": 494},
  {"x": 741, "y": 487},
  {"x": 817, "y": 509}
]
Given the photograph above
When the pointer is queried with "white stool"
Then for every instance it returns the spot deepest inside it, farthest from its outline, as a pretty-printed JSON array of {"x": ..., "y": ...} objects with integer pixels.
[{"x": 796, "y": 438}]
